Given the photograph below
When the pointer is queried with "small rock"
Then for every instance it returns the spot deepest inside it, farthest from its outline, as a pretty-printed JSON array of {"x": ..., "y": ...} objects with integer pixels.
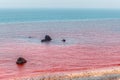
[
  {"x": 63, "y": 40},
  {"x": 21, "y": 61},
  {"x": 30, "y": 37},
  {"x": 43, "y": 40}
]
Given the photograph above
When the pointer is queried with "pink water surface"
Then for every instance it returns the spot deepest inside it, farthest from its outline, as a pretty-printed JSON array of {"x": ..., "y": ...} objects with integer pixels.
[
  {"x": 55, "y": 58},
  {"x": 85, "y": 49}
]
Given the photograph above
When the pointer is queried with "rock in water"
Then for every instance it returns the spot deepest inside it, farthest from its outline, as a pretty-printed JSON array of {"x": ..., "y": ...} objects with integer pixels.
[
  {"x": 43, "y": 40},
  {"x": 46, "y": 39},
  {"x": 63, "y": 40},
  {"x": 30, "y": 37},
  {"x": 21, "y": 61}
]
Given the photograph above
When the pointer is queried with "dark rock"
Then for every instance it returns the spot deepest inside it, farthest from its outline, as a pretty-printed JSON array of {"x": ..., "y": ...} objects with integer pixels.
[
  {"x": 21, "y": 61},
  {"x": 46, "y": 39},
  {"x": 43, "y": 40},
  {"x": 30, "y": 37},
  {"x": 63, "y": 40}
]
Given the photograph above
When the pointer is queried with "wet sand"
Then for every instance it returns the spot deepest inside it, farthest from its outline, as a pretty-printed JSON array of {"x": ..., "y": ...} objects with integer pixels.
[
  {"x": 98, "y": 74},
  {"x": 89, "y": 45}
]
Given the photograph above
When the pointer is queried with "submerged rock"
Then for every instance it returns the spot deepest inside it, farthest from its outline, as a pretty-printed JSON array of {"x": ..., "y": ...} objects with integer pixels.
[
  {"x": 46, "y": 39},
  {"x": 63, "y": 40},
  {"x": 21, "y": 61},
  {"x": 30, "y": 37}
]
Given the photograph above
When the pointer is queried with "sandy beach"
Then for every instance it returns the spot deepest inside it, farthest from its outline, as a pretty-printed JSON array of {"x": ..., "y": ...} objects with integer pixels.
[{"x": 91, "y": 49}]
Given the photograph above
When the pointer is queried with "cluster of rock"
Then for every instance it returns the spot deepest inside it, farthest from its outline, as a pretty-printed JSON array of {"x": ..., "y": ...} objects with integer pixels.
[
  {"x": 46, "y": 39},
  {"x": 21, "y": 61}
]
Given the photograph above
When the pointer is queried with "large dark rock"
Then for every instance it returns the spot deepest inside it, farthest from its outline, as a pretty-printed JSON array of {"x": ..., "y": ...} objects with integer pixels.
[
  {"x": 21, "y": 61},
  {"x": 46, "y": 39}
]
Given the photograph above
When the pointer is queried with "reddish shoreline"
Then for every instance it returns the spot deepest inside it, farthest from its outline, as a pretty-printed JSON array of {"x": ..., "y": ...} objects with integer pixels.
[
  {"x": 109, "y": 72},
  {"x": 31, "y": 68}
]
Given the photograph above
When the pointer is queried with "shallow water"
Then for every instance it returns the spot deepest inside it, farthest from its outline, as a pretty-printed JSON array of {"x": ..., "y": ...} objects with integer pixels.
[{"x": 90, "y": 45}]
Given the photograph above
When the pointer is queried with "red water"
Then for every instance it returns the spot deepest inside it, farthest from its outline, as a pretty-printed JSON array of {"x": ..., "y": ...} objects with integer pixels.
[
  {"x": 85, "y": 49},
  {"x": 55, "y": 58}
]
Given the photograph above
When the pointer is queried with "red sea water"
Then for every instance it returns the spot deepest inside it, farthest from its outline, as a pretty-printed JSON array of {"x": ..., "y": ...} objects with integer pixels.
[{"x": 89, "y": 45}]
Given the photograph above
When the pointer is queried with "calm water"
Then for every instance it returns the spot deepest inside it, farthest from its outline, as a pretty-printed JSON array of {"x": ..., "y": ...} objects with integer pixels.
[
  {"x": 89, "y": 45},
  {"x": 86, "y": 47},
  {"x": 12, "y": 15}
]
